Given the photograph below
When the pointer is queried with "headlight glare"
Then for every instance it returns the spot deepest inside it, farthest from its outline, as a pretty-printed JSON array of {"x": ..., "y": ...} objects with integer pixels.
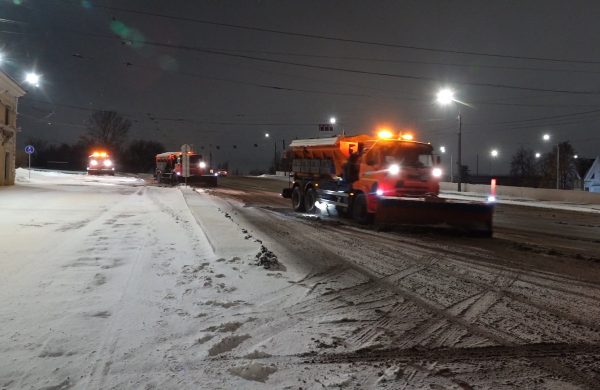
[{"x": 394, "y": 169}]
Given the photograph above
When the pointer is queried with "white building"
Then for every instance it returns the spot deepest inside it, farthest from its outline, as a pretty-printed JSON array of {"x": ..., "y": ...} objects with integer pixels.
[
  {"x": 591, "y": 181},
  {"x": 10, "y": 92}
]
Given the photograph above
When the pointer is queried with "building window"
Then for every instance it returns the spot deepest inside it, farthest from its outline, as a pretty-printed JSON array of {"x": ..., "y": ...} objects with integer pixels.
[{"x": 6, "y": 115}]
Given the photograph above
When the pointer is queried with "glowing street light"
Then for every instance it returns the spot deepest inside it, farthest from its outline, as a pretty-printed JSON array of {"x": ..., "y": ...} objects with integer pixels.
[
  {"x": 267, "y": 135},
  {"x": 332, "y": 120},
  {"x": 494, "y": 153},
  {"x": 538, "y": 155},
  {"x": 443, "y": 149},
  {"x": 445, "y": 97},
  {"x": 576, "y": 156},
  {"x": 546, "y": 137},
  {"x": 33, "y": 78}
]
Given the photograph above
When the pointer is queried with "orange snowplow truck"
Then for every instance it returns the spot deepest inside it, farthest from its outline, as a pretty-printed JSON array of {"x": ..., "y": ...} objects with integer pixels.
[
  {"x": 386, "y": 179},
  {"x": 169, "y": 170}
]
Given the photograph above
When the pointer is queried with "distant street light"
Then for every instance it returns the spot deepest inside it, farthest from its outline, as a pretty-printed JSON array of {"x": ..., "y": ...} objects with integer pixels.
[
  {"x": 33, "y": 78},
  {"x": 538, "y": 155},
  {"x": 266, "y": 135},
  {"x": 332, "y": 120},
  {"x": 443, "y": 149},
  {"x": 445, "y": 97},
  {"x": 546, "y": 137},
  {"x": 576, "y": 156}
]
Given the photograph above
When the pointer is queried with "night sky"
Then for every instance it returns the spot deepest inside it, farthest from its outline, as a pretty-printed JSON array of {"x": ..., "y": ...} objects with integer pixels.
[{"x": 185, "y": 72}]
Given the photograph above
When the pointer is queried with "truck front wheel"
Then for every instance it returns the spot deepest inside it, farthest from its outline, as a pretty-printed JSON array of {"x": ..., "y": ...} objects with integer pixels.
[{"x": 297, "y": 199}]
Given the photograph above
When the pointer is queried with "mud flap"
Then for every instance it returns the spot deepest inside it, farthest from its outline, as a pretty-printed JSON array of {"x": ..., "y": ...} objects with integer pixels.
[{"x": 473, "y": 217}]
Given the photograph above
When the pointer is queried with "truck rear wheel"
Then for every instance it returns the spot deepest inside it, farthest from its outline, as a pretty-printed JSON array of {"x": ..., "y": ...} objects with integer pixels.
[
  {"x": 310, "y": 200},
  {"x": 297, "y": 199},
  {"x": 359, "y": 210}
]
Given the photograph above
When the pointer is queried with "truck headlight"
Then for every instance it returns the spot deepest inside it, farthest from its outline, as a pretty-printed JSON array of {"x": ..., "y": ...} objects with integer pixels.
[
  {"x": 107, "y": 163},
  {"x": 436, "y": 172},
  {"x": 394, "y": 169},
  {"x": 202, "y": 164},
  {"x": 93, "y": 163}
]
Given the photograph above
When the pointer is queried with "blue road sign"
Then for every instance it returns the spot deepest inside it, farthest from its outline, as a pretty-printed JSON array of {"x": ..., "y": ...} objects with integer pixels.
[{"x": 29, "y": 149}]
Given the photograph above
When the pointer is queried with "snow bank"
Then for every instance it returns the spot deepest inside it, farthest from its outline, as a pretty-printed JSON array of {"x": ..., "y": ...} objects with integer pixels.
[{"x": 48, "y": 177}]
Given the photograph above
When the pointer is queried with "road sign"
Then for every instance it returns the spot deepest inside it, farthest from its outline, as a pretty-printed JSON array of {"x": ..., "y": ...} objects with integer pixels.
[
  {"x": 29, "y": 149},
  {"x": 325, "y": 127},
  {"x": 185, "y": 160}
]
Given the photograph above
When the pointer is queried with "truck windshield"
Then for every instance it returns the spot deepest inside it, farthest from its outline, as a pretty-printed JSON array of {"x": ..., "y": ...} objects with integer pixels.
[
  {"x": 196, "y": 158},
  {"x": 408, "y": 155}
]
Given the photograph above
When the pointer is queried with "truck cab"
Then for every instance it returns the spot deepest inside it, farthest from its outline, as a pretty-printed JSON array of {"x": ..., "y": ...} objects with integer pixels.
[{"x": 100, "y": 163}]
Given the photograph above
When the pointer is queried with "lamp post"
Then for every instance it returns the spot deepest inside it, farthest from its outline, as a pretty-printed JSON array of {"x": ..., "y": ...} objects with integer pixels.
[
  {"x": 546, "y": 137},
  {"x": 493, "y": 155},
  {"x": 444, "y": 98},
  {"x": 443, "y": 151}
]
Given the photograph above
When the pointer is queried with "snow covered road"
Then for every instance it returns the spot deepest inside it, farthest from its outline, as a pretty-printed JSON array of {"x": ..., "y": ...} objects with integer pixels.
[{"x": 109, "y": 283}]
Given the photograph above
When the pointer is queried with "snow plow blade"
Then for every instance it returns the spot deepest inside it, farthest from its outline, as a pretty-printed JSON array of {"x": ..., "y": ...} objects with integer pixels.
[
  {"x": 201, "y": 181},
  {"x": 475, "y": 218}
]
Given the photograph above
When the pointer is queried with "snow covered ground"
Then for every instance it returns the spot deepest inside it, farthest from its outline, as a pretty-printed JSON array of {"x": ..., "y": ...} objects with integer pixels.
[
  {"x": 111, "y": 283},
  {"x": 107, "y": 283}
]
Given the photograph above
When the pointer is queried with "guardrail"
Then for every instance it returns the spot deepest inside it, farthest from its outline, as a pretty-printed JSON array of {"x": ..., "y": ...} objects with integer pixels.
[{"x": 529, "y": 193}]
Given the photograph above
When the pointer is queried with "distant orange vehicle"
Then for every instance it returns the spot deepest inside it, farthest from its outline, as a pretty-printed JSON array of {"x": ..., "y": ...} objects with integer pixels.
[{"x": 100, "y": 163}]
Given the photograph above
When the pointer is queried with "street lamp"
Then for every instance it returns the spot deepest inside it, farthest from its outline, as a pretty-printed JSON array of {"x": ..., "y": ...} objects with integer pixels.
[
  {"x": 33, "y": 79},
  {"x": 267, "y": 135},
  {"x": 493, "y": 155},
  {"x": 546, "y": 137},
  {"x": 332, "y": 120},
  {"x": 538, "y": 155},
  {"x": 443, "y": 151},
  {"x": 445, "y": 97}
]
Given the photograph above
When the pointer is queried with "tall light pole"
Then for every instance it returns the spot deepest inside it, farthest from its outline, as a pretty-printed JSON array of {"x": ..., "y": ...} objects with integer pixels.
[
  {"x": 444, "y": 98},
  {"x": 267, "y": 135},
  {"x": 443, "y": 151},
  {"x": 546, "y": 137},
  {"x": 493, "y": 155}
]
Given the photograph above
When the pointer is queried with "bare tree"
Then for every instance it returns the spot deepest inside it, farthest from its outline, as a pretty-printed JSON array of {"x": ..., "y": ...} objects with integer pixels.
[
  {"x": 567, "y": 174},
  {"x": 107, "y": 129}
]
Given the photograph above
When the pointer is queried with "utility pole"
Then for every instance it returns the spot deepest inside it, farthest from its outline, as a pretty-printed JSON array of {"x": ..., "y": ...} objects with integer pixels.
[
  {"x": 459, "y": 152},
  {"x": 477, "y": 166},
  {"x": 557, "y": 166},
  {"x": 274, "y": 156}
]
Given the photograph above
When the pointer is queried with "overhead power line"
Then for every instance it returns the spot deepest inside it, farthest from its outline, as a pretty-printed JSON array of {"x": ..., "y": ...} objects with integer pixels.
[
  {"x": 323, "y": 67},
  {"x": 358, "y": 71},
  {"x": 339, "y": 39}
]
